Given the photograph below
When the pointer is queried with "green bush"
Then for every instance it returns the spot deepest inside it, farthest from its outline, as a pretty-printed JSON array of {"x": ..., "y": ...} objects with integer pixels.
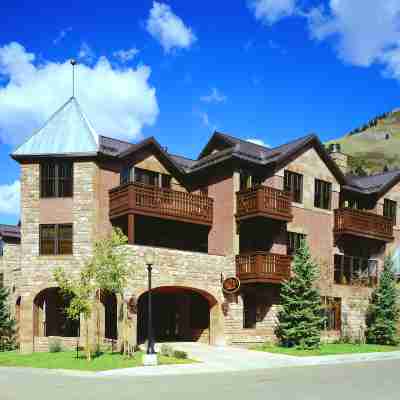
[
  {"x": 55, "y": 345},
  {"x": 180, "y": 354},
  {"x": 167, "y": 350}
]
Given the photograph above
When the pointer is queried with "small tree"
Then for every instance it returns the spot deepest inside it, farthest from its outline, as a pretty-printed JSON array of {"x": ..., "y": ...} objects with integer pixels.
[
  {"x": 107, "y": 270},
  {"x": 383, "y": 312},
  {"x": 300, "y": 319},
  {"x": 82, "y": 294},
  {"x": 111, "y": 270},
  {"x": 7, "y": 323}
]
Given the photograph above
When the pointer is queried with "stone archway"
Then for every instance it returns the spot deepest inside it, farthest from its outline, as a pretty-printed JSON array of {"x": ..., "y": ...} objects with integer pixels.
[
  {"x": 179, "y": 314},
  {"x": 49, "y": 317}
]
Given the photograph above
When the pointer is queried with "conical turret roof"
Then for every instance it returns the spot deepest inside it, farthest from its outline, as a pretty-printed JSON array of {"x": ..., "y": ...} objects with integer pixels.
[{"x": 67, "y": 131}]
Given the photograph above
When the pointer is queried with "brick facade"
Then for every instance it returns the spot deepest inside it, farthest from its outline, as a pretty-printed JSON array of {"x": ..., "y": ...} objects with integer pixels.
[{"x": 29, "y": 273}]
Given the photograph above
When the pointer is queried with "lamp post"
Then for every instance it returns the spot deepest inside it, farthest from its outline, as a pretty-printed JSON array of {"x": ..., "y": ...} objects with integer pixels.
[{"x": 150, "y": 358}]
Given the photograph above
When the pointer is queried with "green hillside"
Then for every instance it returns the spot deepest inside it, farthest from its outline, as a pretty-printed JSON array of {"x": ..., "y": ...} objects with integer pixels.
[{"x": 375, "y": 145}]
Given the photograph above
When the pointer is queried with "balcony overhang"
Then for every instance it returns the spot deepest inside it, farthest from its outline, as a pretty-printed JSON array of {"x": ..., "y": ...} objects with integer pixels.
[
  {"x": 264, "y": 201},
  {"x": 349, "y": 222},
  {"x": 263, "y": 267},
  {"x": 138, "y": 199}
]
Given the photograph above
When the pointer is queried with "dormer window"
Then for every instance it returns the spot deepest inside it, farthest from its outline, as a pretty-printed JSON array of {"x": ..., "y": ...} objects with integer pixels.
[{"x": 56, "y": 179}]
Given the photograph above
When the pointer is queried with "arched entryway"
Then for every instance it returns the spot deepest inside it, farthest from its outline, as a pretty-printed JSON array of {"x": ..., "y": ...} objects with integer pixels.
[
  {"x": 49, "y": 315},
  {"x": 179, "y": 314},
  {"x": 109, "y": 303}
]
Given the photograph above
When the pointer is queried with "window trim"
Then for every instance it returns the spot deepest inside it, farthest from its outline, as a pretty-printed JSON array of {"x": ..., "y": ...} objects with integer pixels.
[
  {"x": 388, "y": 207},
  {"x": 320, "y": 199},
  {"x": 300, "y": 236},
  {"x": 290, "y": 179},
  {"x": 55, "y": 240},
  {"x": 45, "y": 180},
  {"x": 332, "y": 304}
]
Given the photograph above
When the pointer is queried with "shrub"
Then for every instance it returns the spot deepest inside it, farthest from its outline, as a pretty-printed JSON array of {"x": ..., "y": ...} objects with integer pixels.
[
  {"x": 55, "y": 345},
  {"x": 180, "y": 354},
  {"x": 167, "y": 350}
]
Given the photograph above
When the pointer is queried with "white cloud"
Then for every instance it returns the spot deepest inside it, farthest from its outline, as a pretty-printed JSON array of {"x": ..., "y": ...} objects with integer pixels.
[
  {"x": 168, "y": 28},
  {"x": 10, "y": 198},
  {"x": 205, "y": 120},
  {"x": 258, "y": 141},
  {"x": 118, "y": 101},
  {"x": 271, "y": 11},
  {"x": 86, "y": 53},
  {"x": 214, "y": 97},
  {"x": 126, "y": 55},
  {"x": 61, "y": 35},
  {"x": 365, "y": 31}
]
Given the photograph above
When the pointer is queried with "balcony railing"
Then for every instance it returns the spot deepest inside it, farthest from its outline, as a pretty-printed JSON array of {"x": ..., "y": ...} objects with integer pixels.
[
  {"x": 264, "y": 201},
  {"x": 350, "y": 270},
  {"x": 261, "y": 266},
  {"x": 363, "y": 223},
  {"x": 147, "y": 200}
]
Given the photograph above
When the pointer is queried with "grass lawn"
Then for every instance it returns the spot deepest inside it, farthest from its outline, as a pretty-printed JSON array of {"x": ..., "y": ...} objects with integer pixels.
[
  {"x": 326, "y": 349},
  {"x": 67, "y": 360}
]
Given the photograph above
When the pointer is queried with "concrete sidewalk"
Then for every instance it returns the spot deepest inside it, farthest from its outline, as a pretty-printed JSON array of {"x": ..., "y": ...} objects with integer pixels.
[{"x": 215, "y": 359}]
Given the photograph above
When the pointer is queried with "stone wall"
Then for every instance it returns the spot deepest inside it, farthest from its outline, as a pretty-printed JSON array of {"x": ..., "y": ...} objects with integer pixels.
[{"x": 37, "y": 270}]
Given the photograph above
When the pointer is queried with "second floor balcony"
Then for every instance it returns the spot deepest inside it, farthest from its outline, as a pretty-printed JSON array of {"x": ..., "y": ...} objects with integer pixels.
[
  {"x": 363, "y": 224},
  {"x": 261, "y": 266},
  {"x": 146, "y": 200},
  {"x": 264, "y": 201}
]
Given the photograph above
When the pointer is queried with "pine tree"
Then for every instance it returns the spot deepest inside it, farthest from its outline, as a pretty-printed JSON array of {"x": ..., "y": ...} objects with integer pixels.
[
  {"x": 383, "y": 313},
  {"x": 300, "y": 319},
  {"x": 7, "y": 323}
]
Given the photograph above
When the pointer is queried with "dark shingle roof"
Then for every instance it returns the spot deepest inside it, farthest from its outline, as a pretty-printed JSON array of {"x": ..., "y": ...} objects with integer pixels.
[
  {"x": 113, "y": 147},
  {"x": 373, "y": 183},
  {"x": 10, "y": 231},
  {"x": 183, "y": 162}
]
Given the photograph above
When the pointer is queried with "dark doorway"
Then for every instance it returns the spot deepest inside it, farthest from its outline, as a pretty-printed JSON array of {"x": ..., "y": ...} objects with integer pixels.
[
  {"x": 179, "y": 314},
  {"x": 109, "y": 301}
]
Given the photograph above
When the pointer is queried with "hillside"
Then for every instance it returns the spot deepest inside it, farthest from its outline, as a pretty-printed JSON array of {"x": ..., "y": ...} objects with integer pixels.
[{"x": 375, "y": 145}]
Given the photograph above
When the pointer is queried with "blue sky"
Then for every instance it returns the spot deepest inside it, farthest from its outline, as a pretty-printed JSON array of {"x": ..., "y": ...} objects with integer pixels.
[{"x": 270, "y": 70}]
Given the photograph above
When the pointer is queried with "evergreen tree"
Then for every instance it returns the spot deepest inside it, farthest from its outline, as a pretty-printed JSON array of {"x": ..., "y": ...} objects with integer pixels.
[
  {"x": 383, "y": 313},
  {"x": 300, "y": 320},
  {"x": 7, "y": 323}
]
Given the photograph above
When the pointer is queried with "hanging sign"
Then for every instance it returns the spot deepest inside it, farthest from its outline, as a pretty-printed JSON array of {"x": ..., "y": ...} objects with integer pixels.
[{"x": 231, "y": 285}]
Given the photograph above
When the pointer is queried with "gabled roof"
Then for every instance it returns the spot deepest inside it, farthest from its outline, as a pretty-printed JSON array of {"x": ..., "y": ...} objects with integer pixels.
[
  {"x": 171, "y": 162},
  {"x": 275, "y": 157},
  {"x": 67, "y": 132},
  {"x": 10, "y": 231},
  {"x": 373, "y": 184},
  {"x": 112, "y": 147}
]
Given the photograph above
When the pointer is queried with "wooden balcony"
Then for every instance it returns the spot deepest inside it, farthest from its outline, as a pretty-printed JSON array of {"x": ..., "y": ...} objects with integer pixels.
[
  {"x": 261, "y": 266},
  {"x": 263, "y": 201},
  {"x": 134, "y": 198},
  {"x": 363, "y": 224}
]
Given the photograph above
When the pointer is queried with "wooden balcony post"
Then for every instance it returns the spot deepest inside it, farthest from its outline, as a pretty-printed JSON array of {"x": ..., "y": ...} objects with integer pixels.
[{"x": 131, "y": 228}]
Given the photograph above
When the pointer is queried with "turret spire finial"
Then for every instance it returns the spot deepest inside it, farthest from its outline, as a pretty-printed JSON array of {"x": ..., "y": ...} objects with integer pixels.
[{"x": 73, "y": 63}]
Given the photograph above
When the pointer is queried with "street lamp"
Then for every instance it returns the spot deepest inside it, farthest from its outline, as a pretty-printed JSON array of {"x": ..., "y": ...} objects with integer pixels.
[{"x": 150, "y": 358}]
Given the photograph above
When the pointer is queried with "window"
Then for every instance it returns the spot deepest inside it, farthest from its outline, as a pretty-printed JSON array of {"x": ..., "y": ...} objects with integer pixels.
[
  {"x": 332, "y": 312},
  {"x": 390, "y": 209},
  {"x": 293, "y": 183},
  {"x": 166, "y": 181},
  {"x": 293, "y": 242},
  {"x": 248, "y": 181},
  {"x": 125, "y": 178},
  {"x": 249, "y": 311},
  {"x": 146, "y": 177},
  {"x": 55, "y": 239},
  {"x": 352, "y": 270},
  {"x": 56, "y": 179},
  {"x": 322, "y": 194}
]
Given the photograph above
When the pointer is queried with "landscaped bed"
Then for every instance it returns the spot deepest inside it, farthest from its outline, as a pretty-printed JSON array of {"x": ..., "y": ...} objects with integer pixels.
[
  {"x": 67, "y": 360},
  {"x": 326, "y": 349}
]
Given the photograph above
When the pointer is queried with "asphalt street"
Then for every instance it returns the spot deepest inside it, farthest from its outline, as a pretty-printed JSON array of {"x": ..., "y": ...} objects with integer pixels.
[{"x": 378, "y": 380}]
